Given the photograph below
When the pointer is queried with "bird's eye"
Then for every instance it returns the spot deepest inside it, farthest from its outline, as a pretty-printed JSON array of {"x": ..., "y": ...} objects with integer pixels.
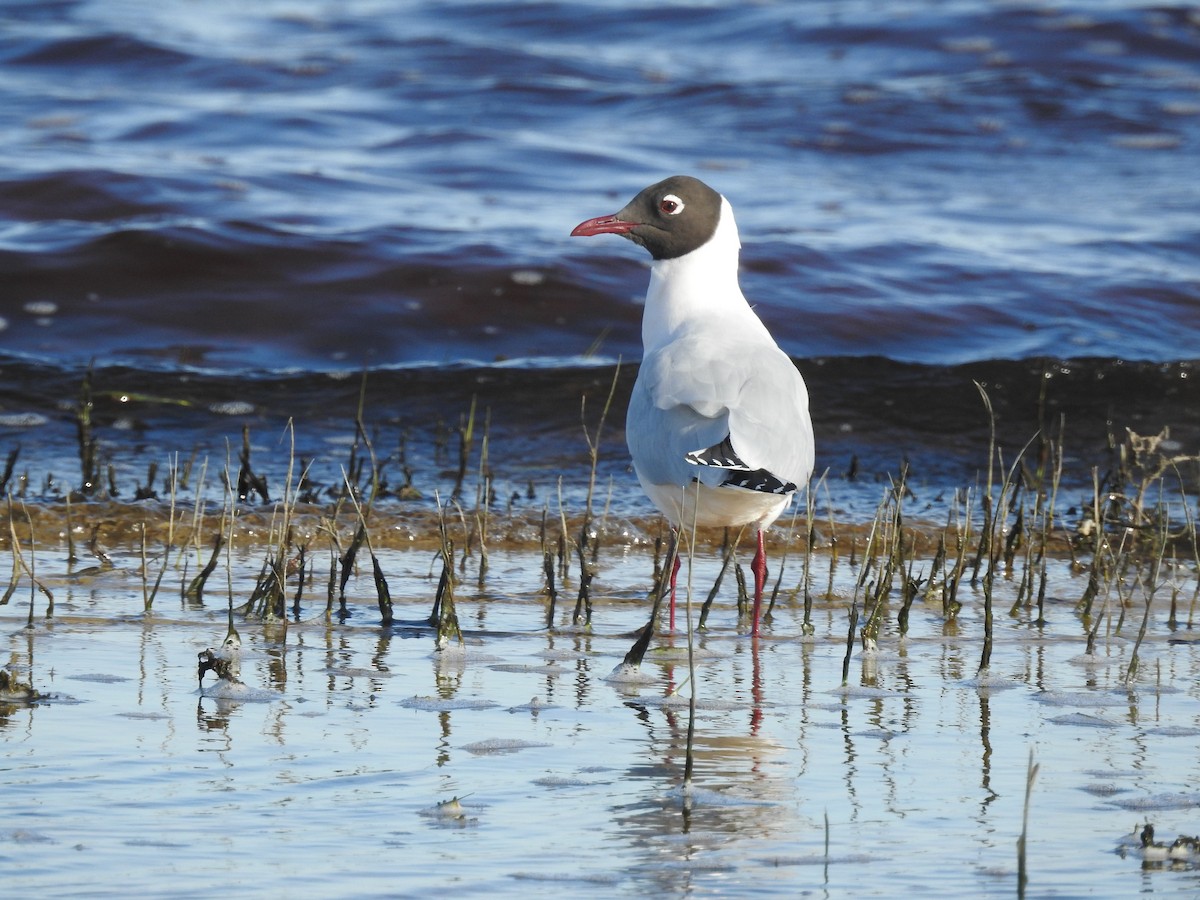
[{"x": 671, "y": 205}]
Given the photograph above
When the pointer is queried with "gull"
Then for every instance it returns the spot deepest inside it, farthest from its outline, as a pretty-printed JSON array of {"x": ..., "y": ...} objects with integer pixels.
[{"x": 718, "y": 424}]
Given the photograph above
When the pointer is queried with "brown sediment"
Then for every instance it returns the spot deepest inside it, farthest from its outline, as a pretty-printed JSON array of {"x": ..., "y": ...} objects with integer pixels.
[{"x": 118, "y": 524}]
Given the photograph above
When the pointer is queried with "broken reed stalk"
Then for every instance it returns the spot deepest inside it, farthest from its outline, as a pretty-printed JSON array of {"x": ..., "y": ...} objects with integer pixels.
[
  {"x": 810, "y": 531},
  {"x": 908, "y": 590},
  {"x": 587, "y": 567},
  {"x": 1151, "y": 586},
  {"x": 729, "y": 548},
  {"x": 1098, "y": 617},
  {"x": 248, "y": 482},
  {"x": 548, "y": 570},
  {"x": 787, "y": 545},
  {"x": 483, "y": 497},
  {"x": 268, "y": 601},
  {"x": 466, "y": 437},
  {"x": 86, "y": 438},
  {"x": 195, "y": 588},
  {"x": 71, "y": 557},
  {"x": 986, "y": 531},
  {"x": 229, "y": 514},
  {"x": 198, "y": 508},
  {"x": 301, "y": 562},
  {"x": 10, "y": 464},
  {"x": 743, "y": 596},
  {"x": 350, "y": 478},
  {"x": 1193, "y": 540},
  {"x": 148, "y": 596},
  {"x": 995, "y": 514},
  {"x": 962, "y": 541},
  {"x": 564, "y": 558},
  {"x": 28, "y": 566},
  {"x": 997, "y": 519},
  {"x": 833, "y": 538},
  {"x": 883, "y": 540},
  {"x": 444, "y": 618},
  {"x": 16, "y": 564},
  {"x": 850, "y": 640},
  {"x": 381, "y": 585},
  {"x": 1095, "y": 578}
]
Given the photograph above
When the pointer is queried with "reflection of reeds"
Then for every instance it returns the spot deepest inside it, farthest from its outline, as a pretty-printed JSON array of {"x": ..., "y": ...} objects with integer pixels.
[
  {"x": 1022, "y": 870},
  {"x": 587, "y": 567}
]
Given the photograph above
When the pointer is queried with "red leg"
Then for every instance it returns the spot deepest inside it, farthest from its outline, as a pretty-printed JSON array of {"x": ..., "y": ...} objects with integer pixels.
[{"x": 759, "y": 568}]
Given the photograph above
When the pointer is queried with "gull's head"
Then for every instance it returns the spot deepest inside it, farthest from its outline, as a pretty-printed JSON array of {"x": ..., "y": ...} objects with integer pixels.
[{"x": 670, "y": 219}]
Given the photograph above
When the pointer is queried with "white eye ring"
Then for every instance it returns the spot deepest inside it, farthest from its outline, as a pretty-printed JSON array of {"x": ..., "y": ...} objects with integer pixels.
[{"x": 671, "y": 205}]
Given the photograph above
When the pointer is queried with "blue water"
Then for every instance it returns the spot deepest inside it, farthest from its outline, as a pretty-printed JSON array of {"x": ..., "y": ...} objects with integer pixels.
[{"x": 316, "y": 185}]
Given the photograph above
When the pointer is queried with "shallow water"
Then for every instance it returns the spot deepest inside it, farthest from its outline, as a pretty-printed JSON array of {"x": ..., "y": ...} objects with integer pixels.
[
  {"x": 334, "y": 769},
  {"x": 227, "y": 210}
]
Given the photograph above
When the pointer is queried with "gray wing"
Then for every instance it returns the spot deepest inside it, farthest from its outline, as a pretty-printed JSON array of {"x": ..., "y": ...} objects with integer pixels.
[{"x": 706, "y": 396}]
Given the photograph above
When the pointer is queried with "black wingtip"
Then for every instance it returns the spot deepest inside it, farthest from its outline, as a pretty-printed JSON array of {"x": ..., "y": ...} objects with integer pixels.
[{"x": 739, "y": 474}]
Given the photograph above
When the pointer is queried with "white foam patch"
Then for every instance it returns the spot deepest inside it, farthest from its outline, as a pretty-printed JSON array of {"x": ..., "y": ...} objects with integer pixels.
[
  {"x": 699, "y": 796},
  {"x": 232, "y": 408},
  {"x": 236, "y": 690},
  {"x": 561, "y": 654},
  {"x": 559, "y": 878},
  {"x": 100, "y": 678},
  {"x": 536, "y": 704},
  {"x": 148, "y": 716},
  {"x": 1081, "y": 699},
  {"x": 864, "y": 693},
  {"x": 1095, "y": 661},
  {"x": 625, "y": 673},
  {"x": 451, "y": 652},
  {"x": 677, "y": 701},
  {"x": 990, "y": 681},
  {"x": 535, "y": 669},
  {"x": 351, "y": 672},
  {"x": 1104, "y": 790},
  {"x": 444, "y": 704},
  {"x": 22, "y": 420},
  {"x": 1159, "y": 801},
  {"x": 1174, "y": 731},
  {"x": 560, "y": 781},
  {"x": 1083, "y": 720},
  {"x": 502, "y": 745},
  {"x": 855, "y": 858}
]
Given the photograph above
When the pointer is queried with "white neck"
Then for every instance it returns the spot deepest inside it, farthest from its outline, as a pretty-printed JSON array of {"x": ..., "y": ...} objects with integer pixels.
[{"x": 701, "y": 285}]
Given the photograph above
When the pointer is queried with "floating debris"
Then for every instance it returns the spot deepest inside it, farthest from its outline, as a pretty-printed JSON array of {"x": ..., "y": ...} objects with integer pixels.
[
  {"x": 449, "y": 812},
  {"x": 225, "y": 661},
  {"x": 12, "y": 690},
  {"x": 535, "y": 705}
]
